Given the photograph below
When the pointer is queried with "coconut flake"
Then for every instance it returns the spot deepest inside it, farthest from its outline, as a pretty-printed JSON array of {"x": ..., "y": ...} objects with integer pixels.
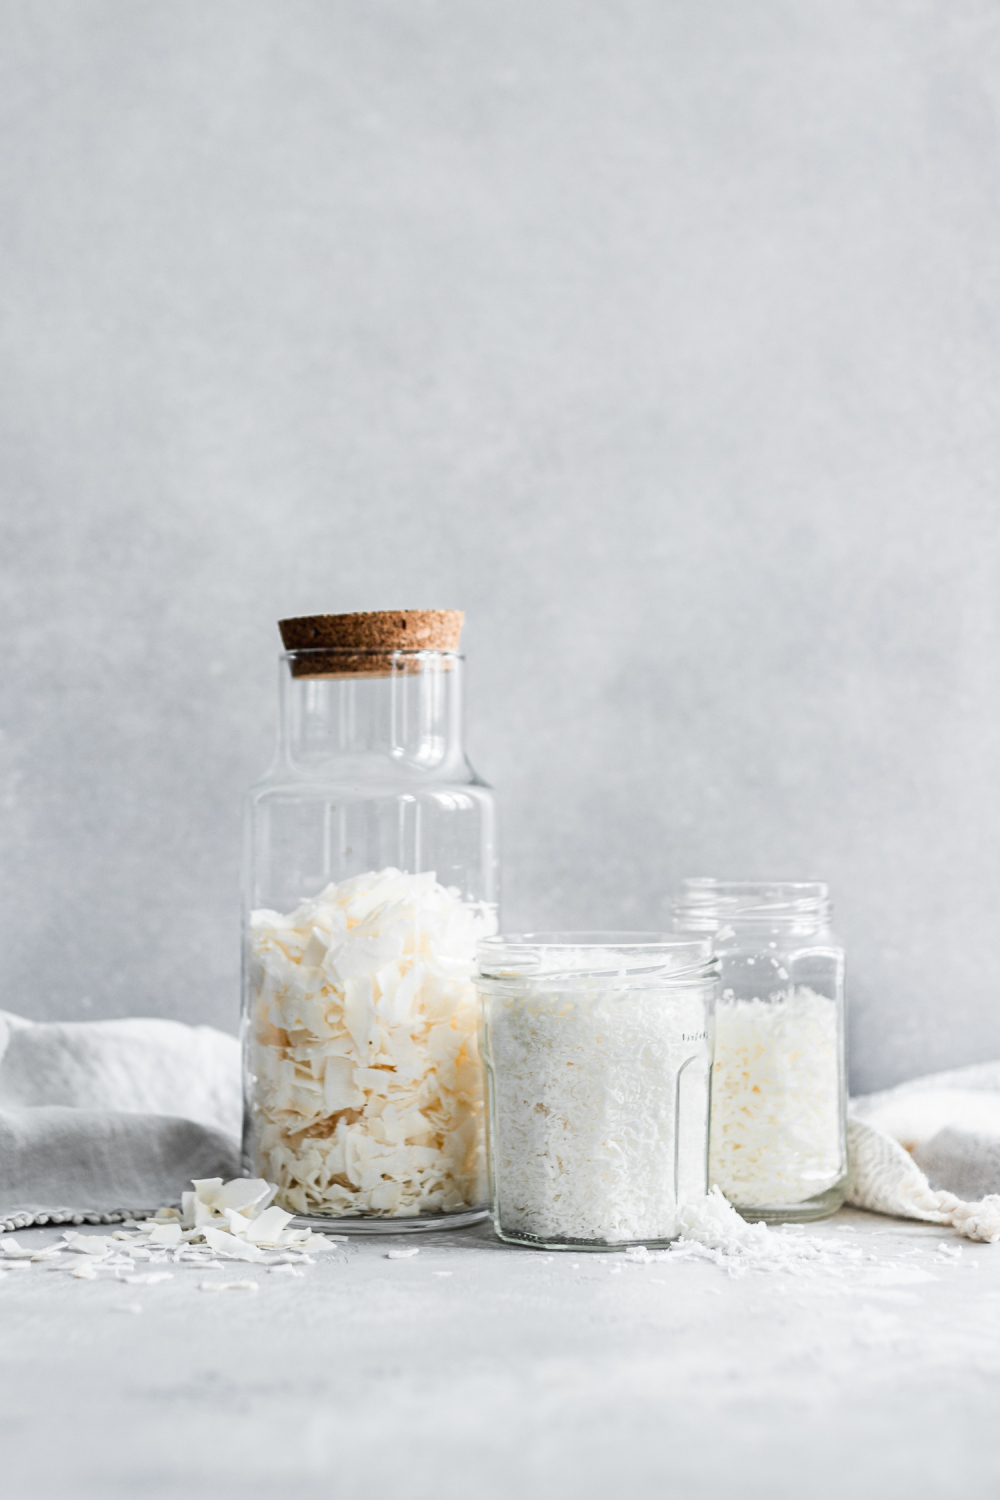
[
  {"x": 13, "y": 1251},
  {"x": 167, "y": 1235},
  {"x": 242, "y": 1193},
  {"x": 88, "y": 1244},
  {"x": 368, "y": 1093},
  {"x": 230, "y": 1245},
  {"x": 268, "y": 1229},
  {"x": 776, "y": 1135}
]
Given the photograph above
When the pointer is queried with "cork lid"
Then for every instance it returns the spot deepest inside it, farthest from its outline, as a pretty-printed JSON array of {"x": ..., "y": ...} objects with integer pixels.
[{"x": 358, "y": 643}]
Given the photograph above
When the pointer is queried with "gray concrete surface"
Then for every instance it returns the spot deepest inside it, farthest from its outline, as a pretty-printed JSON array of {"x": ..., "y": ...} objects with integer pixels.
[
  {"x": 515, "y": 1373},
  {"x": 660, "y": 337}
]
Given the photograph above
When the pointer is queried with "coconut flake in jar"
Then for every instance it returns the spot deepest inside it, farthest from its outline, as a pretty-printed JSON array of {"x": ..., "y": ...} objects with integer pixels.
[
  {"x": 367, "y": 1092},
  {"x": 598, "y": 1053},
  {"x": 776, "y": 1098}
]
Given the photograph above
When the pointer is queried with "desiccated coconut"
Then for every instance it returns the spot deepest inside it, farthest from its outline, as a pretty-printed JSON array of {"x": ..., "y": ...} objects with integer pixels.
[
  {"x": 776, "y": 1133},
  {"x": 590, "y": 1138}
]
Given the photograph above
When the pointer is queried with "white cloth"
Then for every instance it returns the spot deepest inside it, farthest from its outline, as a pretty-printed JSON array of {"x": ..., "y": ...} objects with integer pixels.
[
  {"x": 930, "y": 1149},
  {"x": 105, "y": 1120}
]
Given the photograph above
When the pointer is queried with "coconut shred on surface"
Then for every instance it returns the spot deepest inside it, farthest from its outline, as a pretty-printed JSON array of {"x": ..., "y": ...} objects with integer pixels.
[
  {"x": 711, "y": 1230},
  {"x": 217, "y": 1222},
  {"x": 585, "y": 1091},
  {"x": 775, "y": 1132},
  {"x": 363, "y": 1039}
]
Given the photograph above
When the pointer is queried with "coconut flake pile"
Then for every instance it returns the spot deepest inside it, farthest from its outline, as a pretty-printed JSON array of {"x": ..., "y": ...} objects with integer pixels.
[
  {"x": 218, "y": 1222},
  {"x": 367, "y": 1093},
  {"x": 776, "y": 1128},
  {"x": 712, "y": 1230},
  {"x": 585, "y": 1094}
]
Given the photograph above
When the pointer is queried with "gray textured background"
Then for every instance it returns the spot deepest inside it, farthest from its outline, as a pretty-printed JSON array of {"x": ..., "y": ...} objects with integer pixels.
[{"x": 662, "y": 337}]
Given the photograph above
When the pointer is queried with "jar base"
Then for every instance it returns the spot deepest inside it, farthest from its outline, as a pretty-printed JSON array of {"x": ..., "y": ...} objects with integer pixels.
[
  {"x": 823, "y": 1206},
  {"x": 420, "y": 1224},
  {"x": 603, "y": 1247}
]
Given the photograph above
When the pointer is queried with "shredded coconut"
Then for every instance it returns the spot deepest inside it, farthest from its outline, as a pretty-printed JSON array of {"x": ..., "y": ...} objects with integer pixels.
[
  {"x": 367, "y": 1091},
  {"x": 599, "y": 1103},
  {"x": 776, "y": 1099},
  {"x": 712, "y": 1230}
]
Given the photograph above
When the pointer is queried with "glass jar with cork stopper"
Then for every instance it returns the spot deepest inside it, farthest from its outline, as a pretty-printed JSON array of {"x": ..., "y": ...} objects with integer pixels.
[{"x": 370, "y": 874}]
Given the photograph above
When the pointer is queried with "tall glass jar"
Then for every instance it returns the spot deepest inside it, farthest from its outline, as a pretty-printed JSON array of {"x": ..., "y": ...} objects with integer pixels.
[
  {"x": 598, "y": 1052},
  {"x": 777, "y": 1145},
  {"x": 370, "y": 875}
]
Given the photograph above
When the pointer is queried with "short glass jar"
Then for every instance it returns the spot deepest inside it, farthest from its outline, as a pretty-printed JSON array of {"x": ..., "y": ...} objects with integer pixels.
[
  {"x": 777, "y": 1142},
  {"x": 370, "y": 874},
  {"x": 598, "y": 1053}
]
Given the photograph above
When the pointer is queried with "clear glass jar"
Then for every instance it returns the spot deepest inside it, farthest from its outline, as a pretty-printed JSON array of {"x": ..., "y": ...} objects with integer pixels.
[
  {"x": 370, "y": 875},
  {"x": 777, "y": 1146},
  {"x": 598, "y": 1054}
]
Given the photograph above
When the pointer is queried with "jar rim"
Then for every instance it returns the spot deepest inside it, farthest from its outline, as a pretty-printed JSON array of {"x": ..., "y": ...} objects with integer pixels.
[
  {"x": 703, "y": 899},
  {"x": 366, "y": 651},
  {"x": 349, "y": 663},
  {"x": 572, "y": 956}
]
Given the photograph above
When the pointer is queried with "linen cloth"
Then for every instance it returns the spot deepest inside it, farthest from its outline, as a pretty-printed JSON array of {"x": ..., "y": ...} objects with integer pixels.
[
  {"x": 106, "y": 1120},
  {"x": 930, "y": 1149}
]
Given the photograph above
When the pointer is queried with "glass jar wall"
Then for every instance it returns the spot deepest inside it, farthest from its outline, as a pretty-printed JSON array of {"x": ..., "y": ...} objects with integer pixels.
[
  {"x": 777, "y": 1144},
  {"x": 370, "y": 875},
  {"x": 598, "y": 1053}
]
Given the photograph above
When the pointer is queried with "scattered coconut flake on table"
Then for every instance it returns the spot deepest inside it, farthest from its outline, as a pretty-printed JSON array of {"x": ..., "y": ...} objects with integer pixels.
[
  {"x": 217, "y": 1222},
  {"x": 712, "y": 1230},
  {"x": 775, "y": 1133},
  {"x": 363, "y": 1043},
  {"x": 402, "y": 1254},
  {"x": 87, "y": 1244},
  {"x": 11, "y": 1250},
  {"x": 165, "y": 1234}
]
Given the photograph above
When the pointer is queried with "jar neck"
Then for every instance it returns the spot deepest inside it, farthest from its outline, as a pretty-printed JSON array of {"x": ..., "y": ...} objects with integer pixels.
[
  {"x": 752, "y": 908},
  {"x": 725, "y": 930},
  {"x": 371, "y": 712}
]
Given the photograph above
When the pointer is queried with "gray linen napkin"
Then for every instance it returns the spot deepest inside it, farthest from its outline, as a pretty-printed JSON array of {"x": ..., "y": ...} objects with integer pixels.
[{"x": 105, "y": 1120}]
